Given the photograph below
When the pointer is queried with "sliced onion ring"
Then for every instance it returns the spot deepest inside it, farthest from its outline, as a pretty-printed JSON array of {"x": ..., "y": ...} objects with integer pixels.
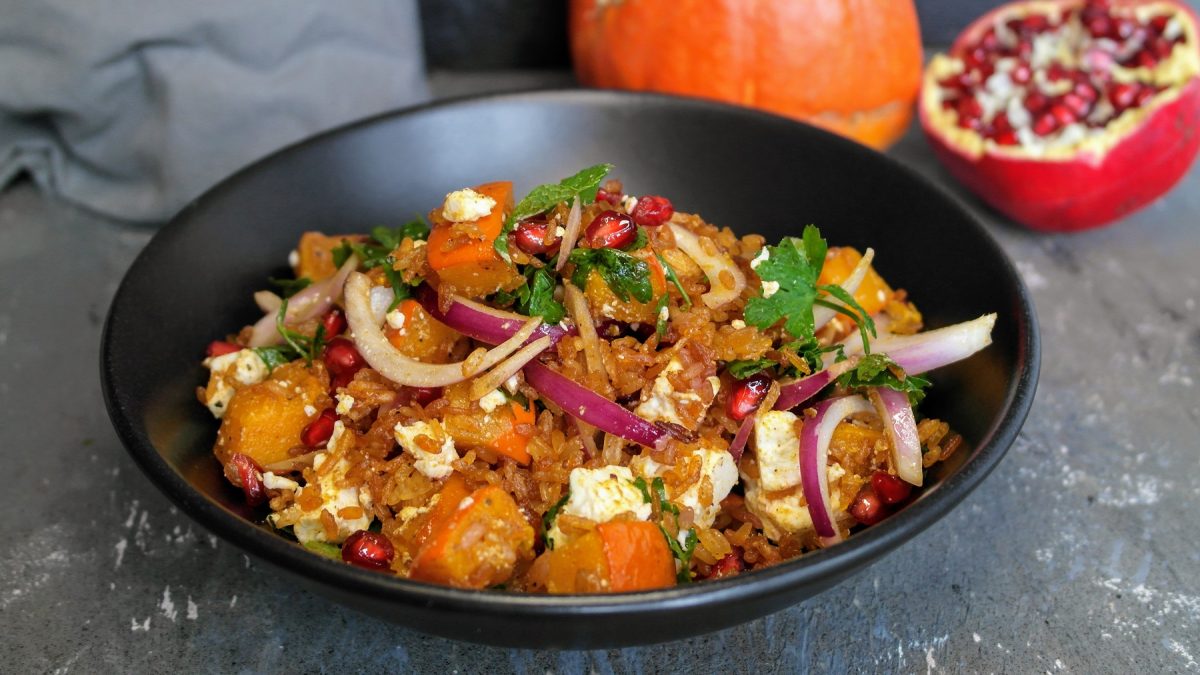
[
  {"x": 738, "y": 446},
  {"x": 712, "y": 265},
  {"x": 308, "y": 303},
  {"x": 570, "y": 233},
  {"x": 268, "y": 301},
  {"x": 389, "y": 362},
  {"x": 481, "y": 322},
  {"x": 823, "y": 315},
  {"x": 491, "y": 381},
  {"x": 926, "y": 351},
  {"x": 585, "y": 404},
  {"x": 815, "y": 435},
  {"x": 901, "y": 427},
  {"x": 792, "y": 394}
]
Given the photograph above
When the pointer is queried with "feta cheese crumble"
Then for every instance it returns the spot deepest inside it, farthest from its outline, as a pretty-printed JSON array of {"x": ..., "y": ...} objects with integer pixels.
[
  {"x": 717, "y": 468},
  {"x": 777, "y": 448},
  {"x": 492, "y": 400},
  {"x": 435, "y": 465},
  {"x": 344, "y": 403},
  {"x": 395, "y": 319},
  {"x": 763, "y": 256},
  {"x": 770, "y": 288},
  {"x": 601, "y": 495},
  {"x": 228, "y": 373},
  {"x": 466, "y": 205},
  {"x": 331, "y": 468}
]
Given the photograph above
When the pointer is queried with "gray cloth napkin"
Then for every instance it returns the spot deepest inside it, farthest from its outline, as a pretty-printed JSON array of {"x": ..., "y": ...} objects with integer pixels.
[{"x": 131, "y": 108}]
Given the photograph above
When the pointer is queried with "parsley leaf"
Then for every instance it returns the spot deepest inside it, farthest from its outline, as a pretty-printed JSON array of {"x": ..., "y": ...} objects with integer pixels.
[
  {"x": 674, "y": 279},
  {"x": 640, "y": 484},
  {"x": 878, "y": 370},
  {"x": 743, "y": 369},
  {"x": 624, "y": 274},
  {"x": 550, "y": 515},
  {"x": 793, "y": 266},
  {"x": 289, "y": 287},
  {"x": 682, "y": 552},
  {"x": 582, "y": 185},
  {"x": 536, "y": 296},
  {"x": 660, "y": 491},
  {"x": 850, "y": 308},
  {"x": 296, "y": 345},
  {"x": 660, "y": 321}
]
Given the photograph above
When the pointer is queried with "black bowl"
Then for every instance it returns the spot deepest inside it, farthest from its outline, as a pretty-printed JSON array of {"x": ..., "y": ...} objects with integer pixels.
[{"x": 753, "y": 172}]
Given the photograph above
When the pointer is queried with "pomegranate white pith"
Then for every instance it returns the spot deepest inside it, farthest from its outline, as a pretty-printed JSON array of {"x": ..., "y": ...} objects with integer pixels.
[{"x": 1068, "y": 114}]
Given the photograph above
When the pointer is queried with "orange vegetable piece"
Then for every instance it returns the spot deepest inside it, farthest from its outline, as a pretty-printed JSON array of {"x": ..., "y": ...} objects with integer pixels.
[
  {"x": 264, "y": 420},
  {"x": 604, "y": 303},
  {"x": 316, "y": 255},
  {"x": 512, "y": 444},
  {"x": 462, "y": 254},
  {"x": 453, "y": 492},
  {"x": 615, "y": 557},
  {"x": 873, "y": 294},
  {"x": 422, "y": 337},
  {"x": 479, "y": 546}
]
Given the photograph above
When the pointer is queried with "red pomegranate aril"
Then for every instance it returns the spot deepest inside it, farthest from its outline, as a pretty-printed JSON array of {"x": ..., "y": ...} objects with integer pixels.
[
  {"x": 1144, "y": 95},
  {"x": 1021, "y": 74},
  {"x": 959, "y": 82},
  {"x": 603, "y": 195},
  {"x": 1162, "y": 48},
  {"x": 1000, "y": 123},
  {"x": 975, "y": 58},
  {"x": 867, "y": 508},
  {"x": 891, "y": 489},
  {"x": 1024, "y": 49},
  {"x": 729, "y": 565},
  {"x": 221, "y": 348},
  {"x": 1122, "y": 95},
  {"x": 318, "y": 431},
  {"x": 1045, "y": 124},
  {"x": 989, "y": 41},
  {"x": 1036, "y": 102},
  {"x": 371, "y": 550},
  {"x": 1123, "y": 29},
  {"x": 1057, "y": 72},
  {"x": 970, "y": 108},
  {"x": 610, "y": 229},
  {"x": 1144, "y": 59},
  {"x": 652, "y": 211},
  {"x": 1159, "y": 23},
  {"x": 748, "y": 395},
  {"x": 531, "y": 237},
  {"x": 1098, "y": 25},
  {"x": 1063, "y": 114},
  {"x": 1085, "y": 91},
  {"x": 342, "y": 357},
  {"x": 1008, "y": 137},
  {"x": 334, "y": 323},
  {"x": 249, "y": 478},
  {"x": 1077, "y": 105}
]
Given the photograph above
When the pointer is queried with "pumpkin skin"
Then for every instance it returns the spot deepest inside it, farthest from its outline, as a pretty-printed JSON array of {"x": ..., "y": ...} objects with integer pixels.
[{"x": 851, "y": 66}]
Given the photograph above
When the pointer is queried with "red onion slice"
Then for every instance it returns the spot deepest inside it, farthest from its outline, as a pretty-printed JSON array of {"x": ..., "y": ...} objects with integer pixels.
[
  {"x": 308, "y": 303},
  {"x": 815, "y": 435},
  {"x": 823, "y": 315},
  {"x": 901, "y": 427},
  {"x": 922, "y": 352},
  {"x": 585, "y": 404},
  {"x": 738, "y": 446},
  {"x": 796, "y": 392},
  {"x": 486, "y": 324},
  {"x": 570, "y": 233}
]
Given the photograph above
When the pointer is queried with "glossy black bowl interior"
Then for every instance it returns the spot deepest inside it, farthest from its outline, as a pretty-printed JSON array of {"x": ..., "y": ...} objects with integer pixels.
[{"x": 753, "y": 172}]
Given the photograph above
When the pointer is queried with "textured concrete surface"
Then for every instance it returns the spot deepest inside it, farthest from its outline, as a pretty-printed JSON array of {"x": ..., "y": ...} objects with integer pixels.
[{"x": 1077, "y": 555}]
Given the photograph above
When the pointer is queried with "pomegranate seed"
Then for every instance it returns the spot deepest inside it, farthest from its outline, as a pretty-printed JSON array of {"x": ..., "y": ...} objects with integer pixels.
[
  {"x": 319, "y": 430},
  {"x": 975, "y": 58},
  {"x": 1021, "y": 74},
  {"x": 1098, "y": 25},
  {"x": 1024, "y": 49},
  {"x": 334, "y": 323},
  {"x": 1045, "y": 124},
  {"x": 1144, "y": 95},
  {"x": 1077, "y": 105},
  {"x": 890, "y": 488},
  {"x": 368, "y": 549},
  {"x": 1161, "y": 48},
  {"x": 342, "y": 357},
  {"x": 1085, "y": 91},
  {"x": 652, "y": 211},
  {"x": 989, "y": 41},
  {"x": 1036, "y": 102},
  {"x": 603, "y": 195},
  {"x": 1034, "y": 23},
  {"x": 969, "y": 108},
  {"x": 1057, "y": 72},
  {"x": 729, "y": 565},
  {"x": 1000, "y": 122},
  {"x": 949, "y": 104},
  {"x": 867, "y": 508},
  {"x": 531, "y": 237},
  {"x": 747, "y": 395},
  {"x": 1145, "y": 59},
  {"x": 1159, "y": 23},
  {"x": 1006, "y": 138},
  {"x": 959, "y": 82},
  {"x": 610, "y": 229},
  {"x": 221, "y": 348},
  {"x": 1122, "y": 29},
  {"x": 421, "y": 395},
  {"x": 1122, "y": 95},
  {"x": 248, "y": 477},
  {"x": 1063, "y": 114}
]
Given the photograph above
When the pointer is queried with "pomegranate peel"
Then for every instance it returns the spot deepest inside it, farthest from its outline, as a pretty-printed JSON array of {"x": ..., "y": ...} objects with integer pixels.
[{"x": 1103, "y": 123}]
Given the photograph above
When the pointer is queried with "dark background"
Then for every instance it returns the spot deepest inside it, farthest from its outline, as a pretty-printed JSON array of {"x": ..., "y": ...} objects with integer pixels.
[{"x": 475, "y": 34}]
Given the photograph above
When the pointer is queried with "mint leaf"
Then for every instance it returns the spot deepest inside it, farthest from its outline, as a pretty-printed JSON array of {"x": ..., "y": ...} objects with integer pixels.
[
  {"x": 743, "y": 369},
  {"x": 376, "y": 250},
  {"x": 545, "y": 197},
  {"x": 878, "y": 370},
  {"x": 682, "y": 552},
  {"x": 624, "y": 274},
  {"x": 640, "y": 240},
  {"x": 640, "y": 484},
  {"x": 299, "y": 344},
  {"x": 536, "y": 297},
  {"x": 276, "y": 356}
]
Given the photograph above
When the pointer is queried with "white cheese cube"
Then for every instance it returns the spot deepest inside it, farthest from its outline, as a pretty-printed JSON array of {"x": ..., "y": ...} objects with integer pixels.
[
  {"x": 435, "y": 465},
  {"x": 601, "y": 495},
  {"x": 466, "y": 205},
  {"x": 777, "y": 449}
]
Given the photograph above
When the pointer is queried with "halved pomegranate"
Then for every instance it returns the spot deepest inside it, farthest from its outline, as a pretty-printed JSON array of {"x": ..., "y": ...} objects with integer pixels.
[{"x": 1068, "y": 114}]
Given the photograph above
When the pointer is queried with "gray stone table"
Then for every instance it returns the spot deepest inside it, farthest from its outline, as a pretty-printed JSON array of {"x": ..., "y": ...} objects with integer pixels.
[{"x": 1077, "y": 555}]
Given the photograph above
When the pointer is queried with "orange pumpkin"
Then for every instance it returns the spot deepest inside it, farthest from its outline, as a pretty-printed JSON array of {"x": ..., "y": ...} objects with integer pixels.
[{"x": 851, "y": 66}]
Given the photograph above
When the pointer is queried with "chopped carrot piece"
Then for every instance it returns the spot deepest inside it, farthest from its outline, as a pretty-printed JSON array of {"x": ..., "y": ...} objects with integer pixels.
[
  {"x": 615, "y": 557},
  {"x": 462, "y": 254},
  {"x": 453, "y": 492},
  {"x": 873, "y": 294},
  {"x": 513, "y": 443},
  {"x": 481, "y": 544}
]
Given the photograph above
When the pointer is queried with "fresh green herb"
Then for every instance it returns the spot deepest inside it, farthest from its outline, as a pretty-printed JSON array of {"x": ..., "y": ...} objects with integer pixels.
[
  {"x": 660, "y": 491},
  {"x": 624, "y": 274},
  {"x": 793, "y": 267},
  {"x": 516, "y": 397},
  {"x": 674, "y": 279},
  {"x": 400, "y": 290},
  {"x": 289, "y": 287},
  {"x": 811, "y": 351},
  {"x": 640, "y": 241},
  {"x": 296, "y": 345},
  {"x": 582, "y": 185},
  {"x": 682, "y": 552},
  {"x": 536, "y": 296},
  {"x": 324, "y": 549},
  {"x": 660, "y": 321},
  {"x": 640, "y": 484},
  {"x": 850, "y": 308},
  {"x": 550, "y": 515},
  {"x": 877, "y": 370},
  {"x": 378, "y": 249},
  {"x": 743, "y": 369},
  {"x": 276, "y": 355}
]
